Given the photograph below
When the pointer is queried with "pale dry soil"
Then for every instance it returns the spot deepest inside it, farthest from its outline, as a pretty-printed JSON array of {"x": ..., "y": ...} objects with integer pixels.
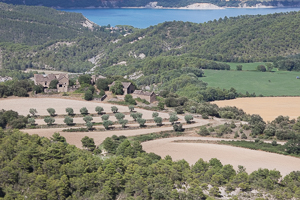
[
  {"x": 250, "y": 159},
  {"x": 267, "y": 107}
]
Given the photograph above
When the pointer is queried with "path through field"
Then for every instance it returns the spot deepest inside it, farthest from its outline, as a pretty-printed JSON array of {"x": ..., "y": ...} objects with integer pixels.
[{"x": 267, "y": 107}]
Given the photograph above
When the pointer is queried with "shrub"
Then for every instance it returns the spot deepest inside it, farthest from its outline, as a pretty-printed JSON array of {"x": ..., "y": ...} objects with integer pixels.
[
  {"x": 114, "y": 109},
  {"x": 88, "y": 143},
  {"x": 205, "y": 116},
  {"x": 84, "y": 111},
  {"x": 274, "y": 143},
  {"x": 128, "y": 98},
  {"x": 117, "y": 88},
  {"x": 68, "y": 120},
  {"x": 53, "y": 84},
  {"x": 243, "y": 136},
  {"x": 193, "y": 109},
  {"x": 88, "y": 95},
  {"x": 32, "y": 111},
  {"x": 104, "y": 117},
  {"x": 239, "y": 67},
  {"x": 155, "y": 114},
  {"x": 49, "y": 120},
  {"x": 178, "y": 127},
  {"x": 179, "y": 110},
  {"x": 158, "y": 121},
  {"x": 141, "y": 121},
  {"x": 232, "y": 125},
  {"x": 31, "y": 121},
  {"x": 131, "y": 108},
  {"x": 236, "y": 135},
  {"x": 102, "y": 93},
  {"x": 99, "y": 110},
  {"x": 203, "y": 131},
  {"x": 188, "y": 118},
  {"x": 70, "y": 111},
  {"x": 51, "y": 111},
  {"x": 161, "y": 105}
]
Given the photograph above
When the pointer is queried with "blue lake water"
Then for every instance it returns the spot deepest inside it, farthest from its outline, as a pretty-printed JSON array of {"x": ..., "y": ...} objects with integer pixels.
[{"x": 143, "y": 18}]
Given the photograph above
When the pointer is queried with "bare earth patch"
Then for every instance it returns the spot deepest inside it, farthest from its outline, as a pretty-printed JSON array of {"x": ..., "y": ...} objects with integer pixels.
[
  {"x": 267, "y": 107},
  {"x": 250, "y": 159}
]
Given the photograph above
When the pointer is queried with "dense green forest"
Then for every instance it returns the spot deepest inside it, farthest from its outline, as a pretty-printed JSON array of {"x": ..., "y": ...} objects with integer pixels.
[
  {"x": 35, "y": 167},
  {"x": 139, "y": 3}
]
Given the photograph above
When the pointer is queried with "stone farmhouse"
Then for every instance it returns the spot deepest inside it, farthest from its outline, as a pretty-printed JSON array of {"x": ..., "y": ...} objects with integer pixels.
[
  {"x": 128, "y": 87},
  {"x": 45, "y": 80},
  {"x": 148, "y": 96}
]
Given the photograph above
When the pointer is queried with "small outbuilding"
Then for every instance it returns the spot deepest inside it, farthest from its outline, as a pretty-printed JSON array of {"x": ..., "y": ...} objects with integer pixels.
[{"x": 148, "y": 96}]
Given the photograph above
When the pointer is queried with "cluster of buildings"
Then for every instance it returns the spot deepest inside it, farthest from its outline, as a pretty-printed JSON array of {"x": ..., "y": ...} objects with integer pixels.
[{"x": 63, "y": 85}]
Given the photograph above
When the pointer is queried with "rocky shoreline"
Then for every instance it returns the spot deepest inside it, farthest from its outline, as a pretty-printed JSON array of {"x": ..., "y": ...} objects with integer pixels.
[{"x": 195, "y": 6}]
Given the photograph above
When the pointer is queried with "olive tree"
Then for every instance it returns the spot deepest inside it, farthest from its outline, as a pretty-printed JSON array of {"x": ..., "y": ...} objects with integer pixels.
[
  {"x": 68, "y": 120},
  {"x": 173, "y": 118},
  {"x": 123, "y": 122},
  {"x": 88, "y": 119},
  {"x": 84, "y": 111},
  {"x": 141, "y": 121},
  {"x": 131, "y": 108},
  {"x": 119, "y": 116},
  {"x": 105, "y": 117},
  {"x": 49, "y": 120},
  {"x": 89, "y": 125},
  {"x": 70, "y": 111},
  {"x": 114, "y": 109},
  {"x": 107, "y": 123},
  {"x": 158, "y": 121},
  {"x": 51, "y": 111},
  {"x": 99, "y": 110},
  {"x": 188, "y": 118},
  {"x": 32, "y": 111},
  {"x": 155, "y": 114},
  {"x": 134, "y": 116}
]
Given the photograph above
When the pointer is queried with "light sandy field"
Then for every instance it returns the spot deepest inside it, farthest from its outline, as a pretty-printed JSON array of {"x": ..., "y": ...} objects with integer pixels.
[
  {"x": 250, "y": 159},
  {"x": 22, "y": 106},
  {"x": 267, "y": 107},
  {"x": 75, "y": 137}
]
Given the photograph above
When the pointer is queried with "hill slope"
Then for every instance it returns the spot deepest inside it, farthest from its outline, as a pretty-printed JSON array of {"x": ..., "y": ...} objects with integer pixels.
[
  {"x": 236, "y": 39},
  {"x": 37, "y": 25}
]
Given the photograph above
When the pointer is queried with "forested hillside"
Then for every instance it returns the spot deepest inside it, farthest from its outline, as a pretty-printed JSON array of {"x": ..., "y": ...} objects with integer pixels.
[
  {"x": 34, "y": 167},
  {"x": 38, "y": 25},
  {"x": 140, "y": 3},
  {"x": 235, "y": 39},
  {"x": 38, "y": 36}
]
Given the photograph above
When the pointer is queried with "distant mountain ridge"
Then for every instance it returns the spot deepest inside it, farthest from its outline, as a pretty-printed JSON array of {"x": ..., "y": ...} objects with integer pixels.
[{"x": 145, "y": 3}]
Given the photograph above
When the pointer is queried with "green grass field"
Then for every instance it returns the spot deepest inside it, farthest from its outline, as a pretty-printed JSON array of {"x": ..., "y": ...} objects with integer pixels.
[{"x": 279, "y": 83}]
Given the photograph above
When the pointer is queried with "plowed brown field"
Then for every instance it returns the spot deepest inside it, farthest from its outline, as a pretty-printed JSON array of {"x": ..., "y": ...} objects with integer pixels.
[{"x": 267, "y": 107}]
